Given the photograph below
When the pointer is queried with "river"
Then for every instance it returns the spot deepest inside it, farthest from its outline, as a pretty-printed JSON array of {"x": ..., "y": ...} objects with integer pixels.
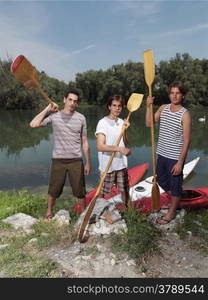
[{"x": 25, "y": 153}]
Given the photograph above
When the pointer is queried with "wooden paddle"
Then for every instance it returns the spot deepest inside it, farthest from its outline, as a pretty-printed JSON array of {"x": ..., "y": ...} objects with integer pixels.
[
  {"x": 26, "y": 73},
  {"x": 149, "y": 71},
  {"x": 133, "y": 104}
]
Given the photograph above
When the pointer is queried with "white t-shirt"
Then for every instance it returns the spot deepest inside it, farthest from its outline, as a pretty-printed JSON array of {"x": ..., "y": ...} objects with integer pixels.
[{"x": 111, "y": 130}]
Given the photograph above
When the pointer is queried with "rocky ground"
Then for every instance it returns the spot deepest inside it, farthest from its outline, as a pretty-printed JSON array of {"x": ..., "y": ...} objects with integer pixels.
[{"x": 94, "y": 258}]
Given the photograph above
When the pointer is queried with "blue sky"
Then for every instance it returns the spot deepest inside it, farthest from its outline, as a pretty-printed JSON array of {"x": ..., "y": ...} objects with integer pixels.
[{"x": 66, "y": 37}]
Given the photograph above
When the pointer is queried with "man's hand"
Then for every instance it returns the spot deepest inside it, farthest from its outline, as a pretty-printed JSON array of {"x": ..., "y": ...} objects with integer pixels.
[
  {"x": 177, "y": 169},
  {"x": 87, "y": 169},
  {"x": 125, "y": 151},
  {"x": 150, "y": 100},
  {"x": 53, "y": 107},
  {"x": 126, "y": 124}
]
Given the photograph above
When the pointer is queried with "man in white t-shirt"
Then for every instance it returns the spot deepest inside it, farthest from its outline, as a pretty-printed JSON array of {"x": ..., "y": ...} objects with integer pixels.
[{"x": 107, "y": 132}]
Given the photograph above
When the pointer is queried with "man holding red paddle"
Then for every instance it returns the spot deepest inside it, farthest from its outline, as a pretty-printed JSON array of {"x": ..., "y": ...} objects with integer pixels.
[{"x": 69, "y": 133}]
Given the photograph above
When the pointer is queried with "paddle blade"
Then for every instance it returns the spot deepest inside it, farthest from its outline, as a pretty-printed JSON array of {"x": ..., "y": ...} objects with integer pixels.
[
  {"x": 155, "y": 197},
  {"x": 149, "y": 67},
  {"x": 134, "y": 102},
  {"x": 85, "y": 220},
  {"x": 24, "y": 72}
]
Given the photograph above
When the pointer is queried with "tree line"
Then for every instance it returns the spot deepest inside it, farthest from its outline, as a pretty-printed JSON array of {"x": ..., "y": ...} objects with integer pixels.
[{"x": 96, "y": 85}]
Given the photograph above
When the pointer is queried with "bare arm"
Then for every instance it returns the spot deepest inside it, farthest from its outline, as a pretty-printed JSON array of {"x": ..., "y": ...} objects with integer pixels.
[
  {"x": 150, "y": 100},
  {"x": 37, "y": 121},
  {"x": 186, "y": 122},
  {"x": 102, "y": 147},
  {"x": 86, "y": 150}
]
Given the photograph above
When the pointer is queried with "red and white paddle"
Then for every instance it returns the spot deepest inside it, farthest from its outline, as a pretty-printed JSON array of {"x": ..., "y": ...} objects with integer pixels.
[{"x": 26, "y": 73}]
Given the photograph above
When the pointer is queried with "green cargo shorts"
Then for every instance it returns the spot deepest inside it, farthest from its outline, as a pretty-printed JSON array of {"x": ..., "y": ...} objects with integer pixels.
[{"x": 75, "y": 169}]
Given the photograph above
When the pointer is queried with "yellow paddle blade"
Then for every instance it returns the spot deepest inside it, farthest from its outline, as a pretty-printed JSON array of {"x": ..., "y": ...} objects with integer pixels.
[
  {"x": 24, "y": 71},
  {"x": 149, "y": 67},
  {"x": 134, "y": 102}
]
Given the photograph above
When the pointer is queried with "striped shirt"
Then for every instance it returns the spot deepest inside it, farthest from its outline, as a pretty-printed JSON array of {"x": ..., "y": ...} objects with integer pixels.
[
  {"x": 67, "y": 133},
  {"x": 170, "y": 141}
]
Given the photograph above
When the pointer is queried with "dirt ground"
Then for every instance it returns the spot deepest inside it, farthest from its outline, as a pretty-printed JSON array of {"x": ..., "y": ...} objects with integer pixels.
[{"x": 177, "y": 259}]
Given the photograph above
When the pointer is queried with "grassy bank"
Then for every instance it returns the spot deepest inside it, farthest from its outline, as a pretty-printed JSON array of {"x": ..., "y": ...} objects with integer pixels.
[
  {"x": 22, "y": 254},
  {"x": 140, "y": 238},
  {"x": 32, "y": 204}
]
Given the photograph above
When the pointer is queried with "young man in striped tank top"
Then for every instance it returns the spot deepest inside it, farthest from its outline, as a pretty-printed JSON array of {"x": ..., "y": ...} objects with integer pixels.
[
  {"x": 173, "y": 143},
  {"x": 69, "y": 134}
]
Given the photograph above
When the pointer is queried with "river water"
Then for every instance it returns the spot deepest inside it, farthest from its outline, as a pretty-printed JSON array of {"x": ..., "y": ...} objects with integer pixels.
[{"x": 25, "y": 153}]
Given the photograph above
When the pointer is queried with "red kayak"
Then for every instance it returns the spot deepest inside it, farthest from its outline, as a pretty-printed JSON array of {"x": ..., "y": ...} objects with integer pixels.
[
  {"x": 134, "y": 174},
  {"x": 191, "y": 198}
]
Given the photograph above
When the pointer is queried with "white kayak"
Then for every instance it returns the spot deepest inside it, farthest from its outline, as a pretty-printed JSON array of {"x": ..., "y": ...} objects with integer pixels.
[{"x": 143, "y": 188}]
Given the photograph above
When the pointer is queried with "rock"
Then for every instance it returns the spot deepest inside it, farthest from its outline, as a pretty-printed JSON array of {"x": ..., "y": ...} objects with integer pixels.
[
  {"x": 33, "y": 241},
  {"x": 21, "y": 220},
  {"x": 113, "y": 262},
  {"x": 4, "y": 246},
  {"x": 62, "y": 217},
  {"x": 2, "y": 275},
  {"x": 44, "y": 234},
  {"x": 172, "y": 224},
  {"x": 103, "y": 228}
]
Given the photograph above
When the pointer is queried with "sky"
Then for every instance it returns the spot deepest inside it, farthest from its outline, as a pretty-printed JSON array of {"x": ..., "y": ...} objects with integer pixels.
[{"x": 64, "y": 38}]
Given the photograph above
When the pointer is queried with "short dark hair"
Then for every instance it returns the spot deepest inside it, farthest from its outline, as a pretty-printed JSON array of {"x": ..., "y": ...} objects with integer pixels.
[
  {"x": 117, "y": 98},
  {"x": 178, "y": 85},
  {"x": 71, "y": 91}
]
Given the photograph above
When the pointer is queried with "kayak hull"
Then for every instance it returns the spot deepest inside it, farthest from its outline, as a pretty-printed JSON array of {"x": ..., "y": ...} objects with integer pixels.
[
  {"x": 144, "y": 188},
  {"x": 191, "y": 198}
]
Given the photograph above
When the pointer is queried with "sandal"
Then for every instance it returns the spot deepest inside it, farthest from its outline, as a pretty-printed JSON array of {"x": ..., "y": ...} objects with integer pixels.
[{"x": 163, "y": 221}]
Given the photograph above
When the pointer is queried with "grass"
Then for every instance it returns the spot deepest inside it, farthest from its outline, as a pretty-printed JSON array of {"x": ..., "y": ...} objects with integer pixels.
[
  {"x": 196, "y": 222},
  {"x": 140, "y": 238},
  {"x": 15, "y": 261},
  {"x": 33, "y": 204},
  {"x": 21, "y": 258}
]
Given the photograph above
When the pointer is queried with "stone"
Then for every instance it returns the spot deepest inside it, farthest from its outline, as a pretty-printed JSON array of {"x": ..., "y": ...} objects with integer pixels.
[
  {"x": 21, "y": 220},
  {"x": 62, "y": 217},
  {"x": 4, "y": 246},
  {"x": 33, "y": 241}
]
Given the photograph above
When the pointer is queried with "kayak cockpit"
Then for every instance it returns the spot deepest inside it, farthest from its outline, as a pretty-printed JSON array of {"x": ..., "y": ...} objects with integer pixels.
[{"x": 190, "y": 195}]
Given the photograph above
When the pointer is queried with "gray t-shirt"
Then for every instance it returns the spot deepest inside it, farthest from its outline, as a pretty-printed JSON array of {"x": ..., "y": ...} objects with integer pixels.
[{"x": 67, "y": 133}]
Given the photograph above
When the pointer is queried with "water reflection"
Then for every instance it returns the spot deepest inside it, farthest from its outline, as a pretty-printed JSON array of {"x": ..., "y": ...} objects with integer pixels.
[{"x": 25, "y": 153}]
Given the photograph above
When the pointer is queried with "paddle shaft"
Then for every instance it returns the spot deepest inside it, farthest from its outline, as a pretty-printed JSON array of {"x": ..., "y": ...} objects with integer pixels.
[
  {"x": 44, "y": 94},
  {"x": 40, "y": 89},
  {"x": 93, "y": 201},
  {"x": 152, "y": 136}
]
